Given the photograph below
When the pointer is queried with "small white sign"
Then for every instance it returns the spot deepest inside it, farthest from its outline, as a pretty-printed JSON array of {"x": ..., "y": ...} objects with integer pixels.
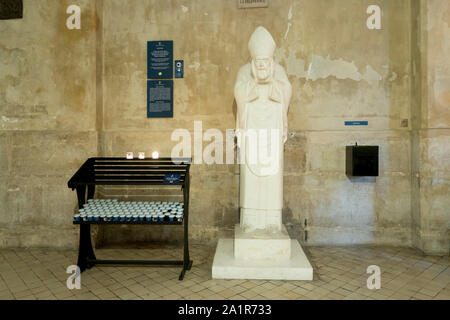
[
  {"x": 130, "y": 155},
  {"x": 141, "y": 155},
  {"x": 243, "y": 4}
]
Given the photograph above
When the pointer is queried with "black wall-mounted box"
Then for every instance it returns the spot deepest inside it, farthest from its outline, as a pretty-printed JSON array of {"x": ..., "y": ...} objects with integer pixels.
[{"x": 361, "y": 161}]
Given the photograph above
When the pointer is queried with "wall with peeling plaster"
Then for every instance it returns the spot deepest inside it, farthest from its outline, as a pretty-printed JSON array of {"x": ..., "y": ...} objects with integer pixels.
[{"x": 339, "y": 71}]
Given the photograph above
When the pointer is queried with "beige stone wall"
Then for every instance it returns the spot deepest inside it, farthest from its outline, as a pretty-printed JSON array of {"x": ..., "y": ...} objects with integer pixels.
[
  {"x": 80, "y": 93},
  {"x": 432, "y": 133},
  {"x": 47, "y": 124},
  {"x": 339, "y": 71}
]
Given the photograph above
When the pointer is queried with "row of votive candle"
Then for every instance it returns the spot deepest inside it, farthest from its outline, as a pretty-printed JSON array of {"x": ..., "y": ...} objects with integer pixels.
[{"x": 113, "y": 210}]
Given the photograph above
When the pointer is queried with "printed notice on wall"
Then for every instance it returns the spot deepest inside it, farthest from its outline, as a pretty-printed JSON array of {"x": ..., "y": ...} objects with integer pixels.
[
  {"x": 159, "y": 98},
  {"x": 160, "y": 59}
]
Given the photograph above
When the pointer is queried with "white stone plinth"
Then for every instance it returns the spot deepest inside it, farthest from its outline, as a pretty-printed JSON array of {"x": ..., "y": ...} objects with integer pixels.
[
  {"x": 262, "y": 245},
  {"x": 226, "y": 266}
]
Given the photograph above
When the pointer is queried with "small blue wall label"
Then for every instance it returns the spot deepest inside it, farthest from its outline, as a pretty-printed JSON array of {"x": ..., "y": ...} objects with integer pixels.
[
  {"x": 179, "y": 69},
  {"x": 172, "y": 178},
  {"x": 356, "y": 123}
]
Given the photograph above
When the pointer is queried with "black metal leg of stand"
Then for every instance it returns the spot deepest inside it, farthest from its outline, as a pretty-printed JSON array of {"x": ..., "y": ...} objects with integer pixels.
[
  {"x": 91, "y": 191},
  {"x": 85, "y": 250},
  {"x": 187, "y": 263}
]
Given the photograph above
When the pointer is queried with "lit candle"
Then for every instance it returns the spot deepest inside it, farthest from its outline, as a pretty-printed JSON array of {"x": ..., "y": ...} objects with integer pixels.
[
  {"x": 130, "y": 155},
  {"x": 141, "y": 155}
]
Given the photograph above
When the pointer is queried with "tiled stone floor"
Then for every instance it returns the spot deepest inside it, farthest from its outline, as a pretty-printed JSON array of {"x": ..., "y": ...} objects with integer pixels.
[{"x": 340, "y": 273}]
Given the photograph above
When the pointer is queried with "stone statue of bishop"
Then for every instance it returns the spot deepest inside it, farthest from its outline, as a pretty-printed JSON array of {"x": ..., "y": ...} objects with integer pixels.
[
  {"x": 261, "y": 248},
  {"x": 262, "y": 92}
]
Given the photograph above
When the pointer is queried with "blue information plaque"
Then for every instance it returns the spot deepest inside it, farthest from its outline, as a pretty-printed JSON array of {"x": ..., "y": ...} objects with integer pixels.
[
  {"x": 159, "y": 98},
  {"x": 356, "y": 123},
  {"x": 172, "y": 178},
  {"x": 179, "y": 68},
  {"x": 160, "y": 59}
]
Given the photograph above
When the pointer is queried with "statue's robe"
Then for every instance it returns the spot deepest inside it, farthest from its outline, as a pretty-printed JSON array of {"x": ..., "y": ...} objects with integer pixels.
[{"x": 261, "y": 187}]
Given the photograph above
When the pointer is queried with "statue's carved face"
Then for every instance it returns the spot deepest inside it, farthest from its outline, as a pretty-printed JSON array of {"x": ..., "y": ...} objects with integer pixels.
[{"x": 262, "y": 68}]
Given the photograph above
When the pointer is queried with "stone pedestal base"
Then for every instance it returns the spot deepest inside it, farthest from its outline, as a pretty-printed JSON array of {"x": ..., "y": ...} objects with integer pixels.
[
  {"x": 253, "y": 219},
  {"x": 262, "y": 257},
  {"x": 261, "y": 245}
]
